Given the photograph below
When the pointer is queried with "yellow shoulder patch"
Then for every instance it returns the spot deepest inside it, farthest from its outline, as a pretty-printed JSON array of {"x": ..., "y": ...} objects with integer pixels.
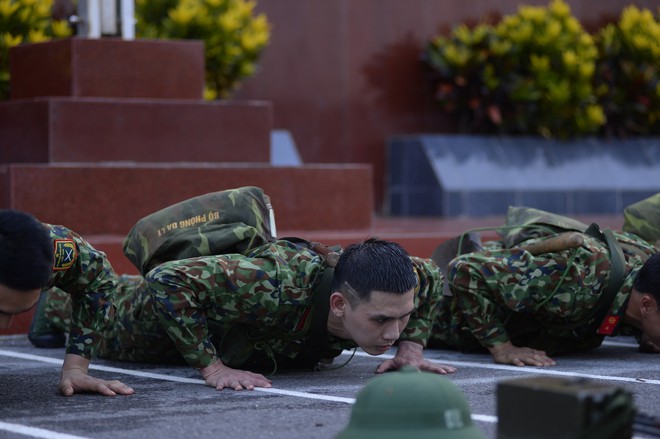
[{"x": 65, "y": 254}]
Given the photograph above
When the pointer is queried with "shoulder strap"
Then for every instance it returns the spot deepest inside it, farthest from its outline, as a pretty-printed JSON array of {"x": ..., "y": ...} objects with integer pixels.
[{"x": 318, "y": 330}]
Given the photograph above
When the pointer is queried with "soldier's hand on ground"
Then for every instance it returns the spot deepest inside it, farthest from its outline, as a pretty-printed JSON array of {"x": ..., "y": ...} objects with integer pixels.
[
  {"x": 647, "y": 346},
  {"x": 507, "y": 353},
  {"x": 74, "y": 379},
  {"x": 220, "y": 376},
  {"x": 410, "y": 353}
]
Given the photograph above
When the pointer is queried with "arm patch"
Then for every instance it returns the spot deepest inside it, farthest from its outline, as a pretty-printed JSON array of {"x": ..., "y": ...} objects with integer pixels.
[{"x": 65, "y": 254}]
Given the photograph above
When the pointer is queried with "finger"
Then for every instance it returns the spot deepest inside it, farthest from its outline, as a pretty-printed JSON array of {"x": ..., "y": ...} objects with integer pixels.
[
  {"x": 539, "y": 362},
  {"x": 260, "y": 380},
  {"x": 104, "y": 390},
  {"x": 438, "y": 368},
  {"x": 263, "y": 383},
  {"x": 120, "y": 388},
  {"x": 384, "y": 367},
  {"x": 66, "y": 389}
]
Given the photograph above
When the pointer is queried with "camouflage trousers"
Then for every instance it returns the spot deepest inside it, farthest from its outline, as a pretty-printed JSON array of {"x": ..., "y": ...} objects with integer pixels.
[{"x": 133, "y": 335}]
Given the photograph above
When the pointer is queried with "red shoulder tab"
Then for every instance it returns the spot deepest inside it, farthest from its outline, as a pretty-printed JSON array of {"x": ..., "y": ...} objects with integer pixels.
[{"x": 608, "y": 325}]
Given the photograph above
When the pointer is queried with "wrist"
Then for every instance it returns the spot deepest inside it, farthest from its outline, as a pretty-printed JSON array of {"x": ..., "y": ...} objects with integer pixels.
[
  {"x": 499, "y": 347},
  {"x": 409, "y": 345},
  {"x": 211, "y": 368},
  {"x": 73, "y": 362}
]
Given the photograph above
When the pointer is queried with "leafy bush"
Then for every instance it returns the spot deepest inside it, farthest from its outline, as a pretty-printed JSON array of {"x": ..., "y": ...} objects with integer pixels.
[
  {"x": 531, "y": 73},
  {"x": 25, "y": 21},
  {"x": 628, "y": 73},
  {"x": 233, "y": 36}
]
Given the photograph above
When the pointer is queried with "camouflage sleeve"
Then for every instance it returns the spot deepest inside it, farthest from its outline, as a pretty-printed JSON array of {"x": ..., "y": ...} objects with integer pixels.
[
  {"x": 427, "y": 301},
  {"x": 264, "y": 290},
  {"x": 556, "y": 287},
  {"x": 86, "y": 274}
]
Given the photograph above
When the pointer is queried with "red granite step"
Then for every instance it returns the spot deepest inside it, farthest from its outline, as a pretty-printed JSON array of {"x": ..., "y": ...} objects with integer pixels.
[
  {"x": 108, "y": 67},
  {"x": 108, "y": 199},
  {"x": 43, "y": 130}
]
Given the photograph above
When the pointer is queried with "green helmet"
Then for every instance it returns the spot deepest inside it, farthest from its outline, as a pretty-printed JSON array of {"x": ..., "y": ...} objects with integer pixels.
[{"x": 409, "y": 402}]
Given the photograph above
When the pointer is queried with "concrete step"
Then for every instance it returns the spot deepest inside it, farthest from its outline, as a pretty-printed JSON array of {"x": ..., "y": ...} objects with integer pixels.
[
  {"x": 43, "y": 130},
  {"x": 108, "y": 199}
]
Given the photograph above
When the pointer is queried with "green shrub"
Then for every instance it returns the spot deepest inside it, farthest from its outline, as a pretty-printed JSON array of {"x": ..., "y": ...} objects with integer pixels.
[
  {"x": 233, "y": 36},
  {"x": 25, "y": 21},
  {"x": 531, "y": 73},
  {"x": 628, "y": 73}
]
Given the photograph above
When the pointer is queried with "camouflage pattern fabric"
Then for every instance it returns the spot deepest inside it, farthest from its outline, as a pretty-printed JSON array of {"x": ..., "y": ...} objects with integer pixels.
[
  {"x": 523, "y": 223},
  {"x": 133, "y": 335},
  {"x": 85, "y": 274},
  {"x": 643, "y": 219},
  {"x": 493, "y": 289},
  {"x": 268, "y": 292},
  {"x": 229, "y": 221}
]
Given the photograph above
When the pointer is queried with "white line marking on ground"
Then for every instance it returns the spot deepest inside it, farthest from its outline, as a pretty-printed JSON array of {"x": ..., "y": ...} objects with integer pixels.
[
  {"x": 525, "y": 369},
  {"x": 620, "y": 344},
  {"x": 307, "y": 395},
  {"x": 158, "y": 376},
  {"x": 177, "y": 379},
  {"x": 36, "y": 432}
]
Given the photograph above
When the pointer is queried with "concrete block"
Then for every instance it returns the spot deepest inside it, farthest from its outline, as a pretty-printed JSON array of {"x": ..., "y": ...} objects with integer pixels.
[
  {"x": 46, "y": 130},
  {"x": 454, "y": 175},
  {"x": 110, "y": 198},
  {"x": 108, "y": 67}
]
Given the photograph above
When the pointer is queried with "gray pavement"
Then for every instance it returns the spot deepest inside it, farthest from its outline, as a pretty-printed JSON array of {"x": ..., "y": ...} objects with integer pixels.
[{"x": 172, "y": 402}]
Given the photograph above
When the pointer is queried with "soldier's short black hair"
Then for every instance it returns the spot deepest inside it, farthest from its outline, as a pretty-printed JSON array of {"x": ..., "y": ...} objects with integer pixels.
[
  {"x": 373, "y": 265},
  {"x": 648, "y": 277},
  {"x": 26, "y": 251}
]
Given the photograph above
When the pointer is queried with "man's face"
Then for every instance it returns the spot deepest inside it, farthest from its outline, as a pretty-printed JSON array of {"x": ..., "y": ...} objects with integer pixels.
[
  {"x": 651, "y": 319},
  {"x": 376, "y": 324},
  {"x": 15, "y": 302}
]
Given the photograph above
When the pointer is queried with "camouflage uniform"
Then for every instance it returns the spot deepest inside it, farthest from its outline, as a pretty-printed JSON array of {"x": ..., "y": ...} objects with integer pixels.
[
  {"x": 507, "y": 294},
  {"x": 267, "y": 297},
  {"x": 643, "y": 219},
  {"x": 86, "y": 275}
]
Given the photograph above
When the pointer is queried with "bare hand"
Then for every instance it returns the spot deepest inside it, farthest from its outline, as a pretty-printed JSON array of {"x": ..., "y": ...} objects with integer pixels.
[
  {"x": 647, "y": 346},
  {"x": 220, "y": 376},
  {"x": 411, "y": 353},
  {"x": 507, "y": 353},
  {"x": 74, "y": 379}
]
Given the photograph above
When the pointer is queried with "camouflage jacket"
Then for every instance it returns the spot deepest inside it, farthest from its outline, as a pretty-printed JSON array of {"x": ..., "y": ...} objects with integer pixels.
[
  {"x": 86, "y": 274},
  {"x": 494, "y": 288},
  {"x": 269, "y": 292}
]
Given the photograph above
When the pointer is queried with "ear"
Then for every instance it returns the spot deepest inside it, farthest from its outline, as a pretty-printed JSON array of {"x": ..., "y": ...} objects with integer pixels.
[
  {"x": 648, "y": 304},
  {"x": 338, "y": 303}
]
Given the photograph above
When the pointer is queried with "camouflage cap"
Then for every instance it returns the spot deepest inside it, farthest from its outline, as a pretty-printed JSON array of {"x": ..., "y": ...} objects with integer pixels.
[
  {"x": 643, "y": 219},
  {"x": 422, "y": 405}
]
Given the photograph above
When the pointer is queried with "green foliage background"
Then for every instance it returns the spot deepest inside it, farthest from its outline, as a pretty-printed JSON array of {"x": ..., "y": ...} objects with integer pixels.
[
  {"x": 25, "y": 21},
  {"x": 234, "y": 36},
  {"x": 539, "y": 72}
]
